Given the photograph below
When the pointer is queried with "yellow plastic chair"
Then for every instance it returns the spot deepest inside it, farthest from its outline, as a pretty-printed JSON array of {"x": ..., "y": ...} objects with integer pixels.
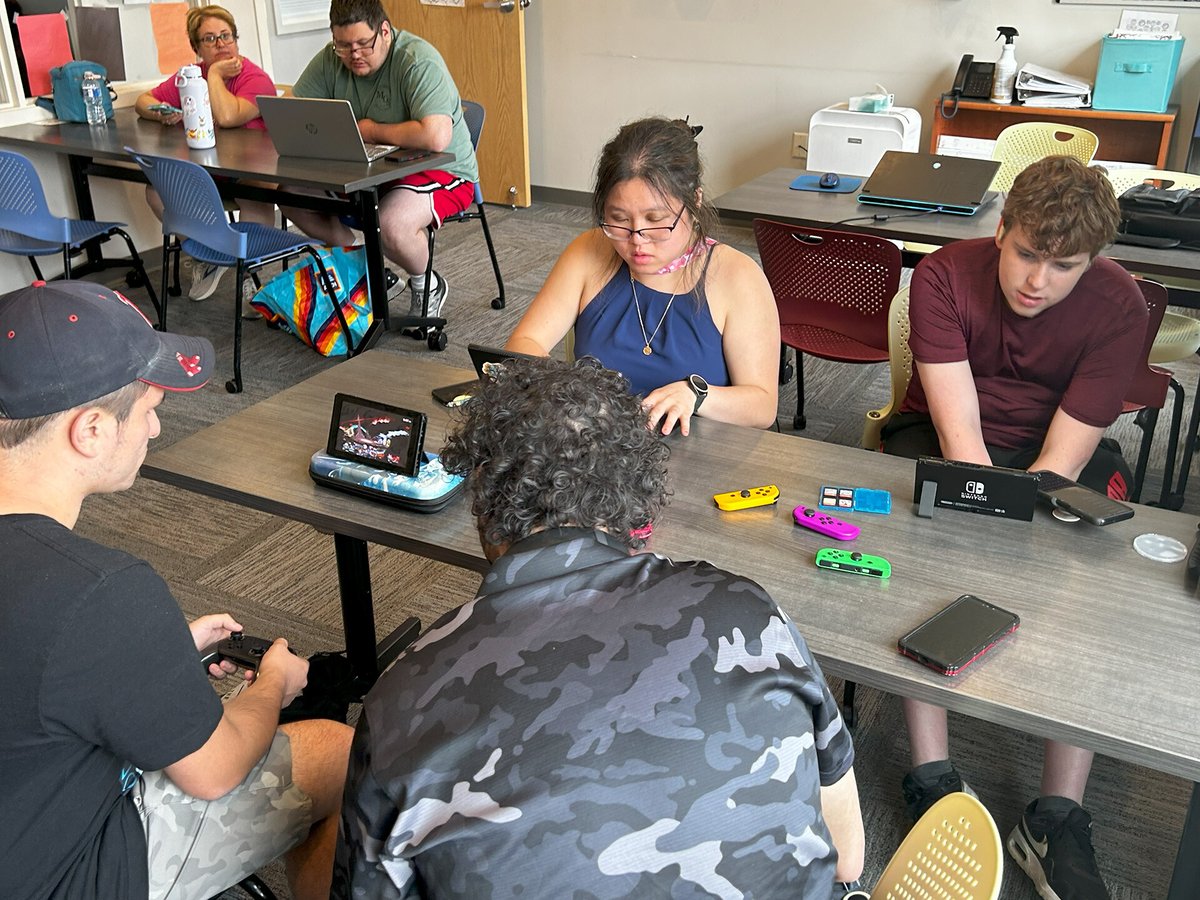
[
  {"x": 953, "y": 851},
  {"x": 900, "y": 360},
  {"x": 1017, "y": 146}
]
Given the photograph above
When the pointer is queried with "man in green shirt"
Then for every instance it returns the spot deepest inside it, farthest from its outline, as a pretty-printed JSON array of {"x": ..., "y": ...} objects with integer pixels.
[{"x": 402, "y": 94}]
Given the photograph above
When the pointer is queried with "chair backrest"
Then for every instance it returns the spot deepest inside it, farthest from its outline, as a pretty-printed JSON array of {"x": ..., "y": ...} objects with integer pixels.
[
  {"x": 474, "y": 115},
  {"x": 1026, "y": 142},
  {"x": 836, "y": 280},
  {"x": 900, "y": 362},
  {"x": 1123, "y": 179},
  {"x": 23, "y": 206},
  {"x": 191, "y": 204},
  {"x": 953, "y": 851},
  {"x": 1147, "y": 388}
]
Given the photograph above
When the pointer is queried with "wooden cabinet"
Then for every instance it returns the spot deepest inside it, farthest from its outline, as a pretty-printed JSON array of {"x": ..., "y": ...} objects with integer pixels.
[{"x": 1139, "y": 137}]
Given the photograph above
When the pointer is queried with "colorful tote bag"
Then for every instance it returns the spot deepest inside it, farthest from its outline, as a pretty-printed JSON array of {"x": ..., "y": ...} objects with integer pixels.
[{"x": 294, "y": 301}]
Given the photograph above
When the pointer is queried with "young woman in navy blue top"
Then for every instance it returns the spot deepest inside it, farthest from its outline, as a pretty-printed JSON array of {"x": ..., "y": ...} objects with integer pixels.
[{"x": 690, "y": 322}]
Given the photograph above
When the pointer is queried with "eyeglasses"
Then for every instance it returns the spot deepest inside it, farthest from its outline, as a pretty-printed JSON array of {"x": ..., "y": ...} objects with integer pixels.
[
  {"x": 657, "y": 234},
  {"x": 345, "y": 51},
  {"x": 225, "y": 37}
]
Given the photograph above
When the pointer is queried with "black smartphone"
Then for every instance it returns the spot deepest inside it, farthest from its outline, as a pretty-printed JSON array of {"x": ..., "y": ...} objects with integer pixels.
[
  {"x": 377, "y": 434},
  {"x": 1089, "y": 505},
  {"x": 455, "y": 394},
  {"x": 953, "y": 638}
]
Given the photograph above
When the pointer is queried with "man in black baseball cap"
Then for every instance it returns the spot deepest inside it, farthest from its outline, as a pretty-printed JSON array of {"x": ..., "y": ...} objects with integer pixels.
[{"x": 122, "y": 773}]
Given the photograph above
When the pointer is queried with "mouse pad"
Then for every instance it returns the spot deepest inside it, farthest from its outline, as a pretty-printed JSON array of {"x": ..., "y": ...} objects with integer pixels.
[{"x": 847, "y": 184}]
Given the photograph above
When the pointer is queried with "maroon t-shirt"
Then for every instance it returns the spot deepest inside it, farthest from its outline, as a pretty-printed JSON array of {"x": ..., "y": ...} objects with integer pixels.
[{"x": 1079, "y": 354}]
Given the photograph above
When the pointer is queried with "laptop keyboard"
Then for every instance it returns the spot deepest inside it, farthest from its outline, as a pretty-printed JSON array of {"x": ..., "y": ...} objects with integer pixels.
[{"x": 374, "y": 151}]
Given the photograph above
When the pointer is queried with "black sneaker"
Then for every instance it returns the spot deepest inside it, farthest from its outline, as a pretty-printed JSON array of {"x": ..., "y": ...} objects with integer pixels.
[
  {"x": 927, "y": 784},
  {"x": 1053, "y": 844}
]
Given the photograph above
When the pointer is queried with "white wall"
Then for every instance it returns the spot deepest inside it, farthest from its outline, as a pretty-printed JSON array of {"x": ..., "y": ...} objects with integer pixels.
[{"x": 754, "y": 71}]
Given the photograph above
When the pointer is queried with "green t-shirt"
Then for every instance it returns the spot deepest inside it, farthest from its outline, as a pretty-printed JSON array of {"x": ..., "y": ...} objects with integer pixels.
[{"x": 411, "y": 84}]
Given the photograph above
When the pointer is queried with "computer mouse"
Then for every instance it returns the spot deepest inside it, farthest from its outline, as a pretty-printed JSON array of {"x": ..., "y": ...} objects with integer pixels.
[{"x": 829, "y": 180}]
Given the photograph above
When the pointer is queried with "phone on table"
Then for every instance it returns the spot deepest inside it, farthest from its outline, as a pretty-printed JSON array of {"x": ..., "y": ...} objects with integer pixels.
[
  {"x": 1089, "y": 505},
  {"x": 953, "y": 638},
  {"x": 165, "y": 109}
]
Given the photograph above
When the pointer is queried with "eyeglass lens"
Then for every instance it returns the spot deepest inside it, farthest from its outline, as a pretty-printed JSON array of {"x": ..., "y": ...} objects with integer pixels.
[{"x": 225, "y": 37}]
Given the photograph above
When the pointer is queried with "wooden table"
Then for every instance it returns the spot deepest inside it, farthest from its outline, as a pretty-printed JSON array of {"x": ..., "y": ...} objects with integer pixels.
[
  {"x": 1105, "y": 657},
  {"x": 240, "y": 154}
]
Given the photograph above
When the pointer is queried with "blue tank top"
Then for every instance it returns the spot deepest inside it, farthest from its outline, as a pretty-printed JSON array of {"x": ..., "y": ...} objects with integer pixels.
[{"x": 688, "y": 341}]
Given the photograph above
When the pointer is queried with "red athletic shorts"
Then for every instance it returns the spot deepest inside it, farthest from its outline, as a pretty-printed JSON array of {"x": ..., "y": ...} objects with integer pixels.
[{"x": 448, "y": 193}]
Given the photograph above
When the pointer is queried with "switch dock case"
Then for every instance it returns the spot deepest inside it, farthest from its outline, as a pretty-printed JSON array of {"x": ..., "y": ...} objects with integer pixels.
[
  {"x": 1136, "y": 75},
  {"x": 851, "y": 143}
]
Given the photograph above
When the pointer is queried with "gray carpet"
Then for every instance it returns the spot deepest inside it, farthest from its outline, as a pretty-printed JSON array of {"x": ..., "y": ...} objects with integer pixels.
[{"x": 278, "y": 577}]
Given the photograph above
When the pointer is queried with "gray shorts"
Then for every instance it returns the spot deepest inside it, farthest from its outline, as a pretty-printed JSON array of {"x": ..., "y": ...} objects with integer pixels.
[{"x": 198, "y": 848}]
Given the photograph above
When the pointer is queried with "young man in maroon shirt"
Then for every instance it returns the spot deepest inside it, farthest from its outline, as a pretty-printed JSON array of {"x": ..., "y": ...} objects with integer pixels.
[{"x": 1024, "y": 347}]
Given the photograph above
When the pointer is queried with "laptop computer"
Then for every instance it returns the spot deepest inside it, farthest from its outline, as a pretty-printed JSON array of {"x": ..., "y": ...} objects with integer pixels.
[
  {"x": 991, "y": 490},
  {"x": 922, "y": 181},
  {"x": 482, "y": 357},
  {"x": 317, "y": 129}
]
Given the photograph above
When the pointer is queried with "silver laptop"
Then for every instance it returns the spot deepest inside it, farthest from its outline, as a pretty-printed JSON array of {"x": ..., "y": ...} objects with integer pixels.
[
  {"x": 951, "y": 184},
  {"x": 317, "y": 129}
]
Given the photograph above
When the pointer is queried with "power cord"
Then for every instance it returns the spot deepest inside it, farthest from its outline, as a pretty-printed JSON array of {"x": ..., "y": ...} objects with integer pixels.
[{"x": 884, "y": 217}]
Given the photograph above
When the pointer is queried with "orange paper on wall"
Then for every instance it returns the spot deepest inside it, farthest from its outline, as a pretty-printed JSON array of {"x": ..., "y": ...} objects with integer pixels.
[
  {"x": 169, "y": 22},
  {"x": 44, "y": 44}
]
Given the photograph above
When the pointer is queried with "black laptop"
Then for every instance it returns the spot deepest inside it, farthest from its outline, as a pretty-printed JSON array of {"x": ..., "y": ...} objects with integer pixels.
[
  {"x": 481, "y": 357},
  {"x": 923, "y": 181}
]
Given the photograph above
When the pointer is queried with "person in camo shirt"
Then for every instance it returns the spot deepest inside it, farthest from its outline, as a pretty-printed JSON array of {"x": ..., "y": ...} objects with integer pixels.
[{"x": 596, "y": 723}]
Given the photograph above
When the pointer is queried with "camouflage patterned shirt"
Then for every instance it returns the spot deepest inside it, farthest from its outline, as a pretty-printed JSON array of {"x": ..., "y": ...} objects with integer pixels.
[{"x": 597, "y": 725}]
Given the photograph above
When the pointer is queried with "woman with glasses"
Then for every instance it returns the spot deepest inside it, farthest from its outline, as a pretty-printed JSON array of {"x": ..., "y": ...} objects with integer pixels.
[
  {"x": 649, "y": 292},
  {"x": 233, "y": 84}
]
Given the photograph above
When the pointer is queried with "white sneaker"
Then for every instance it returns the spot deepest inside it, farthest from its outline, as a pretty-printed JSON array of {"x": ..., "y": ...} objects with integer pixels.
[
  {"x": 249, "y": 290},
  {"x": 204, "y": 280},
  {"x": 437, "y": 300}
]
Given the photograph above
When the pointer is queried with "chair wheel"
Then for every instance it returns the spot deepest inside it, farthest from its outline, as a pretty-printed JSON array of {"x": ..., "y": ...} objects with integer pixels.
[
  {"x": 497, "y": 303},
  {"x": 233, "y": 387},
  {"x": 799, "y": 423},
  {"x": 437, "y": 340}
]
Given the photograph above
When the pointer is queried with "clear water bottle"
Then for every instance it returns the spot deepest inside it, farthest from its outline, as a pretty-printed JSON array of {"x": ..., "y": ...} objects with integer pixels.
[{"x": 92, "y": 87}]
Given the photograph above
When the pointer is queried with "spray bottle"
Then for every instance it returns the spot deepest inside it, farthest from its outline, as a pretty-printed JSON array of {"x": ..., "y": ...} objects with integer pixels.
[{"x": 1006, "y": 67}]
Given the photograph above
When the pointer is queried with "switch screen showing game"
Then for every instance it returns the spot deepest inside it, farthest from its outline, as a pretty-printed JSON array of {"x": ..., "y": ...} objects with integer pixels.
[{"x": 377, "y": 435}]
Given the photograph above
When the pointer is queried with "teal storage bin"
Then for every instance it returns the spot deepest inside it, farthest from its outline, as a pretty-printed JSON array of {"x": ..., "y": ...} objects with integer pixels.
[{"x": 1136, "y": 75}]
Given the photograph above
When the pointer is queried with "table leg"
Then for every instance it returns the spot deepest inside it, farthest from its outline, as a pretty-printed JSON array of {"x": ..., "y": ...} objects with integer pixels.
[
  {"x": 367, "y": 212},
  {"x": 367, "y": 657},
  {"x": 358, "y": 610},
  {"x": 83, "y": 202},
  {"x": 1185, "y": 880}
]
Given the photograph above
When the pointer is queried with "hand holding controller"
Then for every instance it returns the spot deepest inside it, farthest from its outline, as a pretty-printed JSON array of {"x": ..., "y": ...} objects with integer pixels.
[
  {"x": 238, "y": 648},
  {"x": 825, "y": 524}
]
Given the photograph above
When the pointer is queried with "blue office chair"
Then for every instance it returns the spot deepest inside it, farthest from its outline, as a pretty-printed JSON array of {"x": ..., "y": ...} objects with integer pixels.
[
  {"x": 473, "y": 114},
  {"x": 192, "y": 210},
  {"x": 29, "y": 229}
]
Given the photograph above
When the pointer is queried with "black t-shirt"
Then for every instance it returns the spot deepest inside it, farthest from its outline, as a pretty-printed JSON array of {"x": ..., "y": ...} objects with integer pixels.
[{"x": 101, "y": 680}]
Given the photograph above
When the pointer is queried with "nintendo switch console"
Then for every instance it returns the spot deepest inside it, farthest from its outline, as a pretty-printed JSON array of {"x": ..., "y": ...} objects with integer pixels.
[{"x": 991, "y": 490}]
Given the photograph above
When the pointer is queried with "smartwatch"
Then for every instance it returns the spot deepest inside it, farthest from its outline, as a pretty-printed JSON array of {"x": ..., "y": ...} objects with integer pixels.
[{"x": 700, "y": 388}]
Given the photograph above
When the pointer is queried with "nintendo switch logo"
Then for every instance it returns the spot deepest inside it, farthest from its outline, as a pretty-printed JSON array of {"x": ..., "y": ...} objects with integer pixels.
[{"x": 974, "y": 487}]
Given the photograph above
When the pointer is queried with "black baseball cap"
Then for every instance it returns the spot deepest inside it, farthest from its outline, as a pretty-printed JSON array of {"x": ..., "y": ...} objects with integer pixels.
[{"x": 68, "y": 342}]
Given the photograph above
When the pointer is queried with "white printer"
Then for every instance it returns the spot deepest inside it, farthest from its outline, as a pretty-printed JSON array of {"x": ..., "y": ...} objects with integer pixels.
[{"x": 851, "y": 143}]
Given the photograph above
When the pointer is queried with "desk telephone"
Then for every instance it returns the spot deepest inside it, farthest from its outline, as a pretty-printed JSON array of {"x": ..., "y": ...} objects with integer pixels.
[{"x": 972, "y": 81}]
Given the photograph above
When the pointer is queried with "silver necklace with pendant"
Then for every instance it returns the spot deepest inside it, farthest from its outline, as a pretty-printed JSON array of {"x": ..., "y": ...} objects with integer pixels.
[{"x": 646, "y": 341}]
